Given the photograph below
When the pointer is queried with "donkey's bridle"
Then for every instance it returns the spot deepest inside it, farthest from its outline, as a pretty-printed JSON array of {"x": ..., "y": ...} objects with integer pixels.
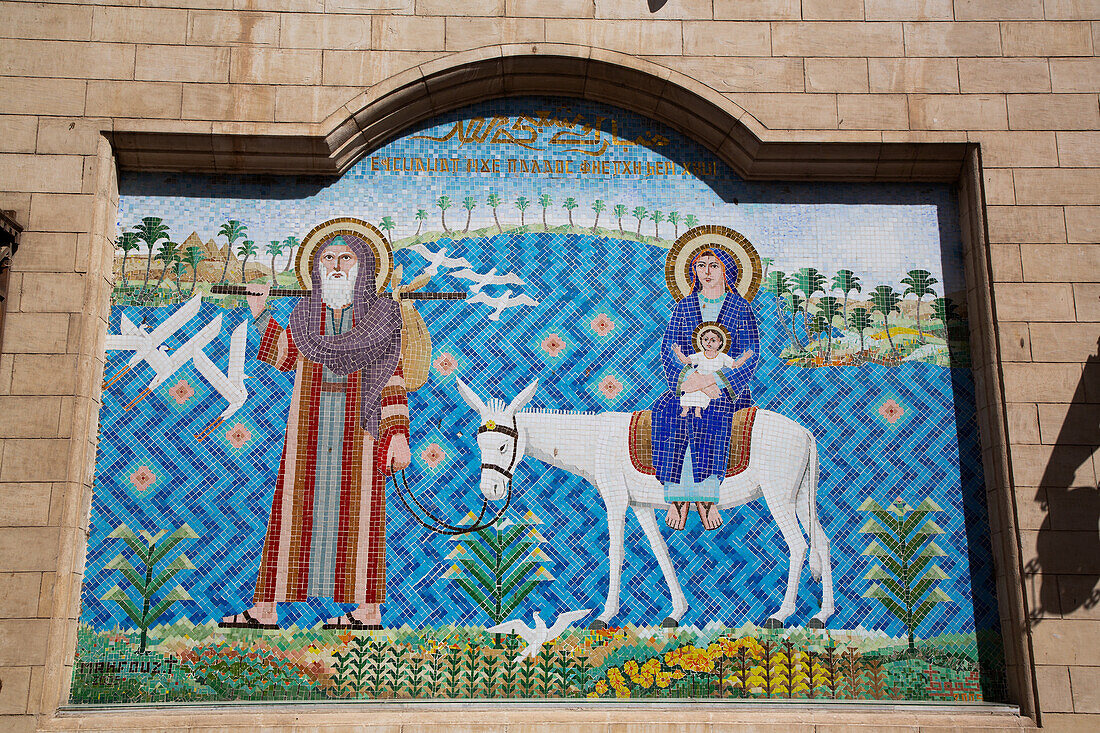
[{"x": 513, "y": 433}]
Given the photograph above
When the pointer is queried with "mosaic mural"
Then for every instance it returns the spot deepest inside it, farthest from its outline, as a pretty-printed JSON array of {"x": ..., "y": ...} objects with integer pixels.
[{"x": 539, "y": 400}]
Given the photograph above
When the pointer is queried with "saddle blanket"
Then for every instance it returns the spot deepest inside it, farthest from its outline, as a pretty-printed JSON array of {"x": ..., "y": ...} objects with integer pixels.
[{"x": 641, "y": 441}]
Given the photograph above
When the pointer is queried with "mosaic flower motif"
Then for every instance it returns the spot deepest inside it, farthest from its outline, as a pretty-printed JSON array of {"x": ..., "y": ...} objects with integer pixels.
[
  {"x": 433, "y": 455},
  {"x": 891, "y": 411},
  {"x": 553, "y": 344},
  {"x": 238, "y": 435},
  {"x": 445, "y": 364},
  {"x": 610, "y": 387},
  {"x": 181, "y": 392},
  {"x": 143, "y": 478},
  {"x": 602, "y": 325}
]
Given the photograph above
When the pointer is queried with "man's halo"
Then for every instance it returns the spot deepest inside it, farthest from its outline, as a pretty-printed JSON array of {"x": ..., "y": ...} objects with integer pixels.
[
  {"x": 323, "y": 233},
  {"x": 678, "y": 262}
]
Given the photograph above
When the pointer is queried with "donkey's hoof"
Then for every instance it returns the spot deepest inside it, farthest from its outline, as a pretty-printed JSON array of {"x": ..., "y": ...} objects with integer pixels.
[
  {"x": 670, "y": 623},
  {"x": 773, "y": 623},
  {"x": 815, "y": 623},
  {"x": 597, "y": 625}
]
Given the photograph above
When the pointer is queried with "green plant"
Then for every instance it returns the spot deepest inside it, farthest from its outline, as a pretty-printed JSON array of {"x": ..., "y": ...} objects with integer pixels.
[
  {"x": 598, "y": 205},
  {"x": 919, "y": 283},
  {"x": 232, "y": 230},
  {"x": 387, "y": 225},
  {"x": 274, "y": 249},
  {"x": 828, "y": 308},
  {"x": 690, "y": 221},
  {"x": 522, "y": 203},
  {"x": 809, "y": 281},
  {"x": 885, "y": 299},
  {"x": 639, "y": 213},
  {"x": 544, "y": 202},
  {"x": 494, "y": 201},
  {"x": 147, "y": 585},
  {"x": 469, "y": 203},
  {"x": 150, "y": 231},
  {"x": 657, "y": 217},
  {"x": 620, "y": 212},
  {"x": 859, "y": 320},
  {"x": 127, "y": 242},
  {"x": 905, "y": 574},
  {"x": 569, "y": 204},
  {"x": 246, "y": 250},
  {"x": 792, "y": 303},
  {"x": 291, "y": 243},
  {"x": 674, "y": 220},
  {"x": 845, "y": 281},
  {"x": 192, "y": 256},
  {"x": 443, "y": 203}
]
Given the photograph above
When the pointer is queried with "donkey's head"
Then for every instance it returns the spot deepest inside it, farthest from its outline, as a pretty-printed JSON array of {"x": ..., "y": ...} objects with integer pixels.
[{"x": 501, "y": 442}]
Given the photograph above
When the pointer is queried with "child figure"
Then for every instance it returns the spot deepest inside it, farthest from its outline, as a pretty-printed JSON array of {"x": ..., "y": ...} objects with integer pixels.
[{"x": 709, "y": 360}]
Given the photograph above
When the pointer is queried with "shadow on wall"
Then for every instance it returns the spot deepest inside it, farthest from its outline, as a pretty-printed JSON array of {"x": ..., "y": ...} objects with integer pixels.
[{"x": 1068, "y": 544}]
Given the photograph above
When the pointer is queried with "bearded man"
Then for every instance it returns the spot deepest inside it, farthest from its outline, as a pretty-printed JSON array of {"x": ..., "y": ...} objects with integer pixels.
[{"x": 348, "y": 428}]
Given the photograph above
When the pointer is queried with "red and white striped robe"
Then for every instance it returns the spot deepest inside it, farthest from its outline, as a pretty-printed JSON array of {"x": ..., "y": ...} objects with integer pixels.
[{"x": 361, "y": 557}]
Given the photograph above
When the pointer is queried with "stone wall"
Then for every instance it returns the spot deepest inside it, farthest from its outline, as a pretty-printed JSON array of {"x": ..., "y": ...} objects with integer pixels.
[{"x": 1012, "y": 76}]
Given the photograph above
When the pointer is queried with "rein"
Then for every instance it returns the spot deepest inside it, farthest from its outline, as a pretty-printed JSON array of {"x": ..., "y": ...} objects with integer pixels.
[{"x": 441, "y": 526}]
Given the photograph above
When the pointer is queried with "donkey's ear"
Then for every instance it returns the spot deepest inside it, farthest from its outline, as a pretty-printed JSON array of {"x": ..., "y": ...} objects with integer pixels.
[
  {"x": 472, "y": 399},
  {"x": 522, "y": 399}
]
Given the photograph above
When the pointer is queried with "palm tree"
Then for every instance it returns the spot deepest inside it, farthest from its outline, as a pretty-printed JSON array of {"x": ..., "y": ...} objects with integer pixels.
[
  {"x": 860, "y": 320},
  {"x": 444, "y": 203},
  {"x": 178, "y": 267},
  {"x": 766, "y": 262},
  {"x": 569, "y": 204},
  {"x": 885, "y": 300},
  {"x": 776, "y": 284},
  {"x": 246, "y": 250},
  {"x": 943, "y": 310},
  {"x": 494, "y": 202},
  {"x": 919, "y": 283},
  {"x": 421, "y": 215},
  {"x": 809, "y": 281},
  {"x": 167, "y": 256},
  {"x": 128, "y": 242},
  {"x": 639, "y": 214},
  {"x": 620, "y": 212},
  {"x": 291, "y": 243},
  {"x": 845, "y": 282},
  {"x": 387, "y": 224},
  {"x": 690, "y": 221},
  {"x": 274, "y": 250},
  {"x": 828, "y": 308},
  {"x": 468, "y": 203},
  {"x": 544, "y": 201},
  {"x": 522, "y": 204},
  {"x": 151, "y": 230},
  {"x": 598, "y": 205},
  {"x": 232, "y": 230},
  {"x": 792, "y": 303},
  {"x": 657, "y": 218},
  {"x": 192, "y": 256},
  {"x": 674, "y": 220}
]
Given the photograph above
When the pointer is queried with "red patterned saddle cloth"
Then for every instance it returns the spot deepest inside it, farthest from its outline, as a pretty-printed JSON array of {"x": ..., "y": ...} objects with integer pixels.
[{"x": 641, "y": 443}]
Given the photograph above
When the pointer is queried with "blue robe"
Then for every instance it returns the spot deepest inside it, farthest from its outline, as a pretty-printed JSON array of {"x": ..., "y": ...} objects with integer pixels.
[{"x": 708, "y": 435}]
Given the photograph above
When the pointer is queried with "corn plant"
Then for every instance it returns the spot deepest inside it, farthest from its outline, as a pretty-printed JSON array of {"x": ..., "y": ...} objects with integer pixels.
[
  {"x": 905, "y": 574},
  {"x": 145, "y": 583}
]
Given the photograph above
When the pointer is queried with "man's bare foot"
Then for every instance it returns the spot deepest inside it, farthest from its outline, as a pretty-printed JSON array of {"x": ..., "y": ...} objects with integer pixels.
[
  {"x": 708, "y": 512},
  {"x": 260, "y": 616},
  {"x": 698, "y": 412},
  {"x": 677, "y": 515}
]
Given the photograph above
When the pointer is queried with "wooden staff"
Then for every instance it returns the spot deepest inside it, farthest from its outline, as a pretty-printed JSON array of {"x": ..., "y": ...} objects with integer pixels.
[{"x": 224, "y": 289}]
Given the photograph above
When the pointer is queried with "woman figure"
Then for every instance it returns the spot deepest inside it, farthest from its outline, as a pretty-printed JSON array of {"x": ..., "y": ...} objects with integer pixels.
[{"x": 690, "y": 452}]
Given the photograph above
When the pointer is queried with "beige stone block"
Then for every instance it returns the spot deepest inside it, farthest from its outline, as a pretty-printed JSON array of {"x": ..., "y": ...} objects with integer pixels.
[
  {"x": 1070, "y": 9},
  {"x": 62, "y": 59},
  {"x": 561, "y": 9},
  {"x": 998, "y": 186},
  {"x": 1086, "y": 297},
  {"x": 1023, "y": 423},
  {"x": 872, "y": 112},
  {"x": 908, "y": 9},
  {"x": 52, "y": 292},
  {"x": 36, "y": 333},
  {"x": 345, "y": 32},
  {"x": 310, "y": 104},
  {"x": 18, "y": 133},
  {"x": 61, "y": 212},
  {"x": 1070, "y": 424},
  {"x": 1060, "y": 467},
  {"x": 627, "y": 9},
  {"x": 229, "y": 102},
  {"x": 134, "y": 99},
  {"x": 790, "y": 111},
  {"x": 41, "y": 96},
  {"x": 46, "y": 252},
  {"x": 29, "y": 417},
  {"x": 22, "y": 641},
  {"x": 1034, "y": 302},
  {"x": 275, "y": 66},
  {"x": 409, "y": 33},
  {"x": 1072, "y": 342},
  {"x": 19, "y": 597},
  {"x": 830, "y": 10},
  {"x": 46, "y": 21},
  {"x": 182, "y": 63},
  {"x": 1079, "y": 149},
  {"x": 19, "y": 723},
  {"x": 1071, "y": 722},
  {"x": 45, "y": 173},
  {"x": 1054, "y": 689},
  {"x": 1083, "y": 223},
  {"x": 1059, "y": 263},
  {"x": 722, "y": 38},
  {"x": 757, "y": 10},
  {"x": 999, "y": 10},
  {"x": 1086, "y": 689},
  {"x": 233, "y": 29},
  {"x": 1036, "y": 382},
  {"x": 1004, "y": 75},
  {"x": 659, "y": 38},
  {"x": 1026, "y": 224},
  {"x": 740, "y": 74},
  {"x": 370, "y": 7},
  {"x": 1046, "y": 38},
  {"x": 957, "y": 112},
  {"x": 952, "y": 39},
  {"x": 836, "y": 75},
  {"x": 139, "y": 25},
  {"x": 475, "y": 32},
  {"x": 1075, "y": 75},
  {"x": 15, "y": 692},
  {"x": 913, "y": 75},
  {"x": 1053, "y": 111},
  {"x": 1066, "y": 642},
  {"x": 1057, "y": 186},
  {"x": 837, "y": 39},
  {"x": 1005, "y": 260},
  {"x": 469, "y": 7},
  {"x": 356, "y": 68},
  {"x": 1014, "y": 341},
  {"x": 60, "y": 135},
  {"x": 25, "y": 505}
]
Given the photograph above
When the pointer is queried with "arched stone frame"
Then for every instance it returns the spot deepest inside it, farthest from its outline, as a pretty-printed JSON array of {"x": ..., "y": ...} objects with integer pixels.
[{"x": 754, "y": 152}]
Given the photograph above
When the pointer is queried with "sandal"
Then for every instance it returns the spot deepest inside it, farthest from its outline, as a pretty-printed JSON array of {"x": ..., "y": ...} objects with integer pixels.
[
  {"x": 249, "y": 622},
  {"x": 677, "y": 515},
  {"x": 347, "y": 622},
  {"x": 709, "y": 514}
]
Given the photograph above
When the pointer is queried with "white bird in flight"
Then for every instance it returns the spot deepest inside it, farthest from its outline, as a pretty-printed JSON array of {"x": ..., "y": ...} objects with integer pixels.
[
  {"x": 148, "y": 345},
  {"x": 229, "y": 385},
  {"x": 438, "y": 259},
  {"x": 480, "y": 280},
  {"x": 166, "y": 364},
  {"x": 539, "y": 635},
  {"x": 500, "y": 302}
]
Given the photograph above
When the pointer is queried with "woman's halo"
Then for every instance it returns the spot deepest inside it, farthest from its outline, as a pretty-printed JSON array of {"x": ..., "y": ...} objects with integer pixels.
[
  {"x": 678, "y": 262},
  {"x": 323, "y": 233}
]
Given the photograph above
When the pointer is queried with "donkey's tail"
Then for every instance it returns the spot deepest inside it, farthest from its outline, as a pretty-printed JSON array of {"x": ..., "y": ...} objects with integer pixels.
[{"x": 808, "y": 493}]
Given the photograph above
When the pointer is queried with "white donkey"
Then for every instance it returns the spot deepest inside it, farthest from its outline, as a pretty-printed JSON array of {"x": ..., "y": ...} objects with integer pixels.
[{"x": 782, "y": 469}]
